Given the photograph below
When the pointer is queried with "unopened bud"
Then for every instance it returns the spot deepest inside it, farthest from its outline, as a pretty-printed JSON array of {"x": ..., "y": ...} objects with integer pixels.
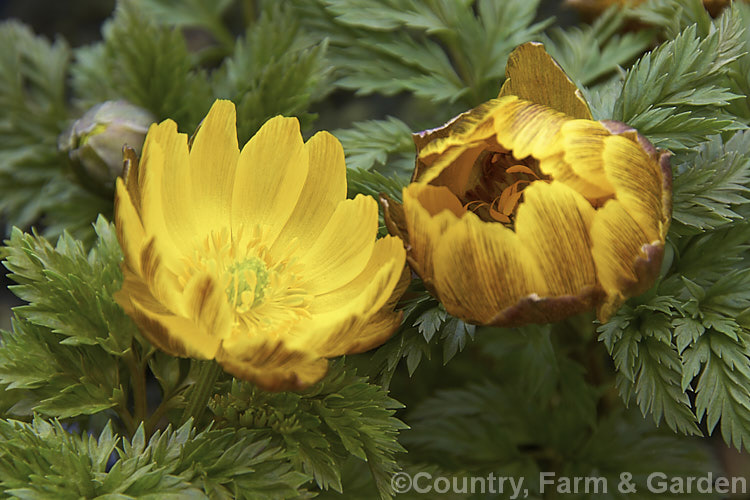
[{"x": 94, "y": 142}]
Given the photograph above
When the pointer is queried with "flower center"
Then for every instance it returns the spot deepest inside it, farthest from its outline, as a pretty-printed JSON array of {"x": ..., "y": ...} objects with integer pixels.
[
  {"x": 497, "y": 185},
  {"x": 265, "y": 291},
  {"x": 247, "y": 281}
]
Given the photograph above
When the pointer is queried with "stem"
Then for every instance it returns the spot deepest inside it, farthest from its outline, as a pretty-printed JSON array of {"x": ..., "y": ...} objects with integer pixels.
[
  {"x": 127, "y": 418},
  {"x": 249, "y": 11},
  {"x": 138, "y": 376},
  {"x": 203, "y": 388},
  {"x": 153, "y": 420}
]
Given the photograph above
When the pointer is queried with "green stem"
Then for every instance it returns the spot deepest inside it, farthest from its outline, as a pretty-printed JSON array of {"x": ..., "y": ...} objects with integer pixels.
[
  {"x": 197, "y": 397},
  {"x": 138, "y": 376},
  {"x": 158, "y": 413},
  {"x": 249, "y": 11}
]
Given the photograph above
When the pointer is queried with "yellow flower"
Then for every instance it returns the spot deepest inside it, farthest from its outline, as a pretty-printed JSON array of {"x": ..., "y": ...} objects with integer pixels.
[
  {"x": 254, "y": 258},
  {"x": 525, "y": 210}
]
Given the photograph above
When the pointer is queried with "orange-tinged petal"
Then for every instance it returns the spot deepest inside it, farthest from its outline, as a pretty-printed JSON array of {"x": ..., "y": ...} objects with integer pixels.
[
  {"x": 637, "y": 181},
  {"x": 324, "y": 188},
  {"x": 481, "y": 268},
  {"x": 429, "y": 211},
  {"x": 271, "y": 364},
  {"x": 271, "y": 171},
  {"x": 533, "y": 75},
  {"x": 560, "y": 170},
  {"x": 453, "y": 169},
  {"x": 343, "y": 248},
  {"x": 527, "y": 129},
  {"x": 620, "y": 249},
  {"x": 213, "y": 158},
  {"x": 583, "y": 146},
  {"x": 456, "y": 144},
  {"x": 173, "y": 334},
  {"x": 553, "y": 225},
  {"x": 206, "y": 303}
]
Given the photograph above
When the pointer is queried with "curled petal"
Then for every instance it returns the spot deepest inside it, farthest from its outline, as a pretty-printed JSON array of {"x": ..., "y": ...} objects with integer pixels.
[
  {"x": 533, "y": 75},
  {"x": 482, "y": 268}
]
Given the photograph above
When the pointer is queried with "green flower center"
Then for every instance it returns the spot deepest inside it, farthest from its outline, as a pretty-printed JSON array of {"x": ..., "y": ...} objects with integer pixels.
[{"x": 248, "y": 281}]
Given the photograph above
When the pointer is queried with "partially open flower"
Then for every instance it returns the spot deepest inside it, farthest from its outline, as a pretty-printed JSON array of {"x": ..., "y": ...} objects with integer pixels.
[
  {"x": 526, "y": 210},
  {"x": 254, "y": 258}
]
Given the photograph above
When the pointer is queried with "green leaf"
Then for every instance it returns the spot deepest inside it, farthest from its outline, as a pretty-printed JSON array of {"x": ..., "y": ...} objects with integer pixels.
[
  {"x": 33, "y": 179},
  {"x": 677, "y": 95},
  {"x": 65, "y": 345},
  {"x": 321, "y": 427},
  {"x": 191, "y": 13},
  {"x": 722, "y": 387},
  {"x": 384, "y": 145},
  {"x": 711, "y": 184},
  {"x": 146, "y": 64},
  {"x": 592, "y": 52},
  {"x": 275, "y": 69},
  {"x": 43, "y": 460},
  {"x": 443, "y": 51},
  {"x": 649, "y": 366}
]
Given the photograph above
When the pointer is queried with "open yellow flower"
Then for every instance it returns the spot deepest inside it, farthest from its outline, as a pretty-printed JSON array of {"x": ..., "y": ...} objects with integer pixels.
[
  {"x": 254, "y": 258},
  {"x": 526, "y": 210}
]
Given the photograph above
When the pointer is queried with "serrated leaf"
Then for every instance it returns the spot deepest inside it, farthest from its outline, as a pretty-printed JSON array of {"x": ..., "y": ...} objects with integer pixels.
[
  {"x": 670, "y": 94},
  {"x": 385, "y": 145}
]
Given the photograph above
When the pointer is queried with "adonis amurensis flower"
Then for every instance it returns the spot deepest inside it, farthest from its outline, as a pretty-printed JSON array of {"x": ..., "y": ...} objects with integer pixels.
[
  {"x": 254, "y": 258},
  {"x": 524, "y": 209}
]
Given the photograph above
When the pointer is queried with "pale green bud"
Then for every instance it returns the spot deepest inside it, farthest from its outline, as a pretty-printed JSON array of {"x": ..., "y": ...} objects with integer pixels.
[{"x": 94, "y": 142}]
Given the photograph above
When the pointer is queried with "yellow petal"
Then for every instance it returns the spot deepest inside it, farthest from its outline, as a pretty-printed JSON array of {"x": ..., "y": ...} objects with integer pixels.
[
  {"x": 533, "y": 75},
  {"x": 173, "y": 334},
  {"x": 583, "y": 146},
  {"x": 150, "y": 183},
  {"x": 637, "y": 182},
  {"x": 481, "y": 268},
  {"x": 553, "y": 224},
  {"x": 527, "y": 129},
  {"x": 161, "y": 281},
  {"x": 454, "y": 146},
  {"x": 271, "y": 171},
  {"x": 560, "y": 170},
  {"x": 388, "y": 255},
  {"x": 183, "y": 219},
  {"x": 343, "y": 248},
  {"x": 453, "y": 168},
  {"x": 271, "y": 365},
  {"x": 617, "y": 241},
  {"x": 129, "y": 228},
  {"x": 360, "y": 315},
  {"x": 337, "y": 331},
  {"x": 429, "y": 211},
  {"x": 324, "y": 188},
  {"x": 213, "y": 161},
  {"x": 207, "y": 305}
]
